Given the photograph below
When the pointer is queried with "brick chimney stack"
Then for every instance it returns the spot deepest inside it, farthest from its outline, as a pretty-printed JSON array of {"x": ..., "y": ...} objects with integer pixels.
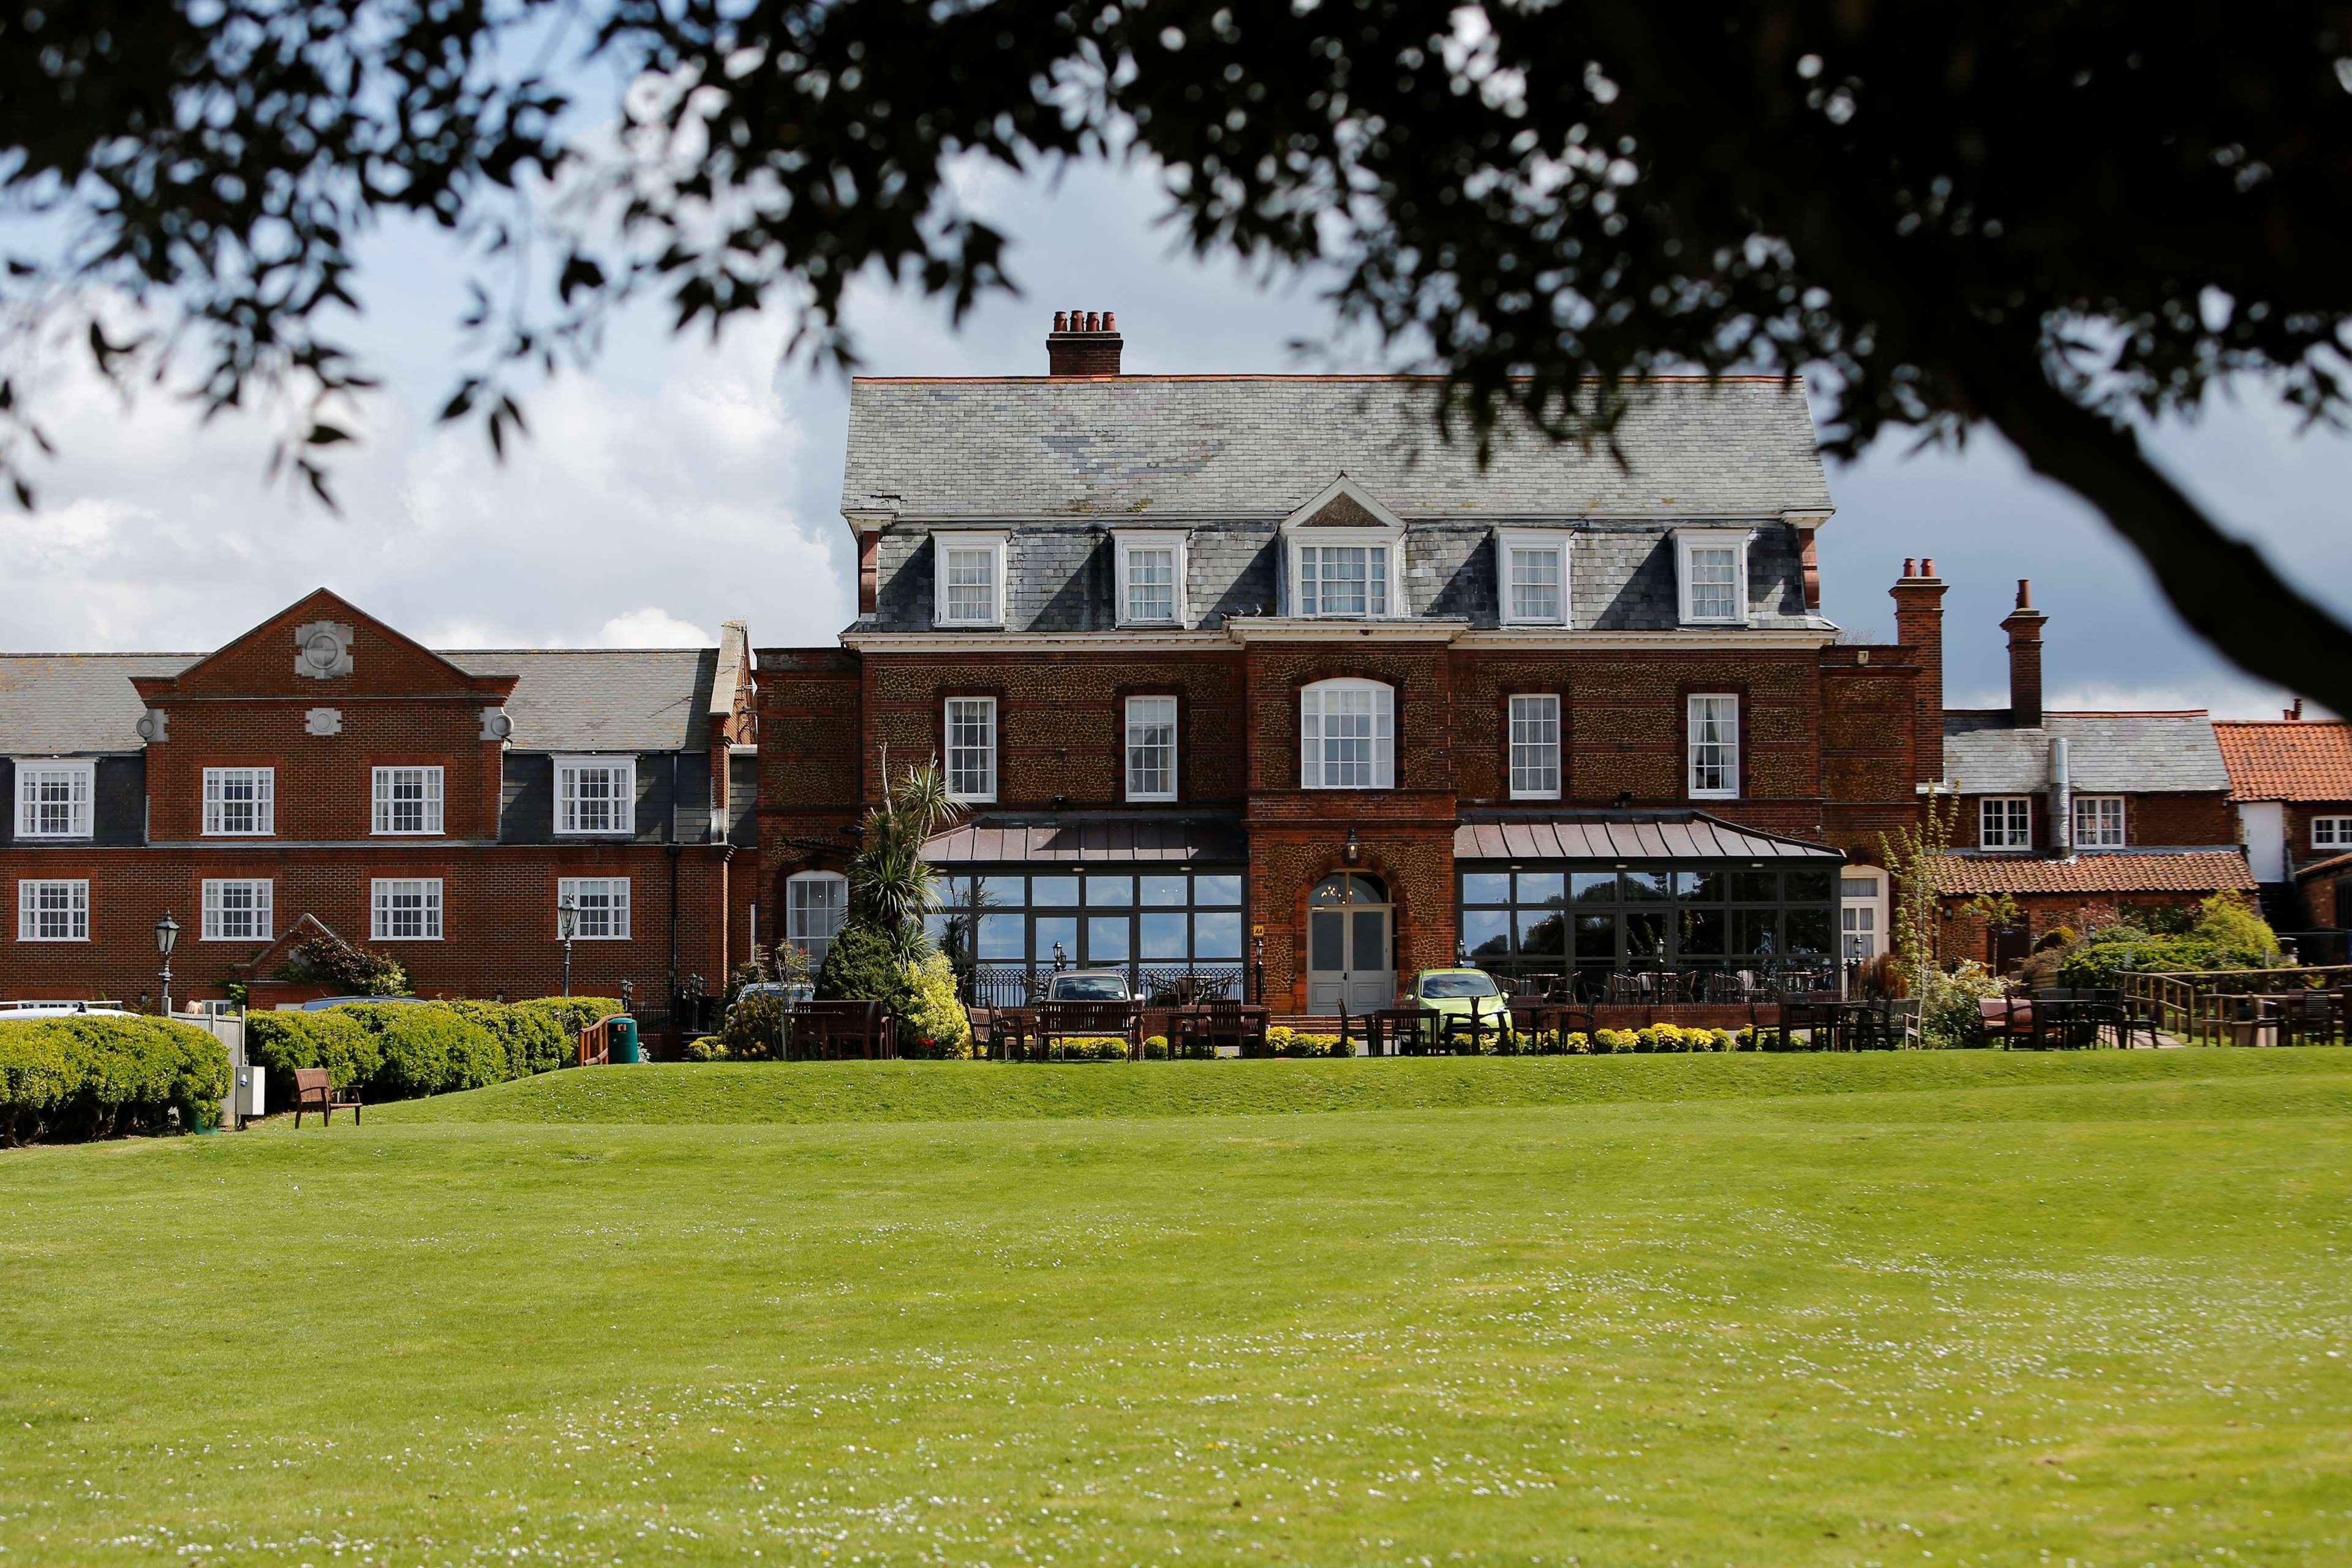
[
  {"x": 1919, "y": 626},
  {"x": 1082, "y": 343},
  {"x": 2023, "y": 626}
]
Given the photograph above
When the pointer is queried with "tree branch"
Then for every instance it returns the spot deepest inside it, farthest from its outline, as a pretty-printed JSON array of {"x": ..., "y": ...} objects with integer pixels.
[{"x": 2221, "y": 587}]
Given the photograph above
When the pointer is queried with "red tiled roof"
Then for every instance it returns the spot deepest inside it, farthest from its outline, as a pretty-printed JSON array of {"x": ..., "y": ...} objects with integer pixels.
[
  {"x": 2318, "y": 867},
  {"x": 2199, "y": 871},
  {"x": 2300, "y": 758}
]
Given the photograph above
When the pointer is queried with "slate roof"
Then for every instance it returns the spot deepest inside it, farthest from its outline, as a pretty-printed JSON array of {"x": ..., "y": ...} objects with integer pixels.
[
  {"x": 620, "y": 699},
  {"x": 2108, "y": 753},
  {"x": 2095, "y": 871},
  {"x": 1088, "y": 838},
  {"x": 1649, "y": 835},
  {"x": 1149, "y": 447},
  {"x": 2278, "y": 759},
  {"x": 63, "y": 703}
]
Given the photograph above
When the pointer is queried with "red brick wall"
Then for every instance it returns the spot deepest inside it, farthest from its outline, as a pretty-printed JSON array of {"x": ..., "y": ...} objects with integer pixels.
[
  {"x": 2158, "y": 821},
  {"x": 2299, "y": 852},
  {"x": 498, "y": 917},
  {"x": 1964, "y": 935}
]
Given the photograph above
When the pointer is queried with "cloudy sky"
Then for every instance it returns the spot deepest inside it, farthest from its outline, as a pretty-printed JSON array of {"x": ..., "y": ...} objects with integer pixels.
[{"x": 688, "y": 482}]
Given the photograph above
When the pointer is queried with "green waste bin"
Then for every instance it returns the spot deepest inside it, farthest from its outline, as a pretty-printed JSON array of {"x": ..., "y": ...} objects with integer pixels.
[{"x": 624, "y": 1039}]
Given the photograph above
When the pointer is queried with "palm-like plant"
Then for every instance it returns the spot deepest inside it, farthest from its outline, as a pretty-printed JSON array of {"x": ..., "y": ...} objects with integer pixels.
[{"x": 889, "y": 881}]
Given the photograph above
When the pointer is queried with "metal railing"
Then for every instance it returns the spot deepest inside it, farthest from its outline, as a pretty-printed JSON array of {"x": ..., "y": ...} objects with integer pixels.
[
  {"x": 2201, "y": 1005},
  {"x": 1159, "y": 984}
]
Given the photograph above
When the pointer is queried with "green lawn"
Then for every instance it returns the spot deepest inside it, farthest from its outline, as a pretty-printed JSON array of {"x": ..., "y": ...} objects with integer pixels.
[{"x": 1933, "y": 1309}]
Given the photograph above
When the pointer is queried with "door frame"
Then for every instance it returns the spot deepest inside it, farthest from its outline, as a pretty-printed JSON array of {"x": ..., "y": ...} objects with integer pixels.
[{"x": 1345, "y": 911}]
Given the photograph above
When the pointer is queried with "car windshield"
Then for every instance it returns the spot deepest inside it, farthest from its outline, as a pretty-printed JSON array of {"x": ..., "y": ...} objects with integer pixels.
[
  {"x": 1090, "y": 988},
  {"x": 1457, "y": 985}
]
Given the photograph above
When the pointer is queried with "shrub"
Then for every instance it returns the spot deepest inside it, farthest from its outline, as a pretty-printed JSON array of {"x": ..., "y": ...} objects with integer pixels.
[
  {"x": 533, "y": 1038},
  {"x": 862, "y": 964},
  {"x": 280, "y": 1042},
  {"x": 753, "y": 1032},
  {"x": 2227, "y": 935},
  {"x": 1090, "y": 1048},
  {"x": 933, "y": 1023},
  {"x": 98, "y": 1076},
  {"x": 1155, "y": 1048},
  {"x": 1285, "y": 1042},
  {"x": 1949, "y": 1017},
  {"x": 428, "y": 1049},
  {"x": 329, "y": 959}
]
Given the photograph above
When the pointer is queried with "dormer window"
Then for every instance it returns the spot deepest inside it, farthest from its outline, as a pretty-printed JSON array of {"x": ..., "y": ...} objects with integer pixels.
[
  {"x": 971, "y": 577},
  {"x": 1534, "y": 571},
  {"x": 1345, "y": 551},
  {"x": 1713, "y": 571},
  {"x": 1150, "y": 579},
  {"x": 1343, "y": 579}
]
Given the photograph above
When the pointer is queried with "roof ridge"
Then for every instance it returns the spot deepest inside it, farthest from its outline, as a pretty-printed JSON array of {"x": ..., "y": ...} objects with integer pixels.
[{"x": 1395, "y": 376}]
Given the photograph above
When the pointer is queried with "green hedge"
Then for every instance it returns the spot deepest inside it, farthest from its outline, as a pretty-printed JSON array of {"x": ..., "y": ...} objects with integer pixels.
[
  {"x": 65, "y": 1078},
  {"x": 392, "y": 1050}
]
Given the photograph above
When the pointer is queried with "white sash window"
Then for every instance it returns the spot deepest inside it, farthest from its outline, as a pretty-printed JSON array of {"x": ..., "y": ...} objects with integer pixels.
[{"x": 1346, "y": 735}]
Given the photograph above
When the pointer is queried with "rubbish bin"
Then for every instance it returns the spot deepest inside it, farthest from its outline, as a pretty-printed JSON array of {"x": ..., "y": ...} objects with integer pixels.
[{"x": 624, "y": 1039}]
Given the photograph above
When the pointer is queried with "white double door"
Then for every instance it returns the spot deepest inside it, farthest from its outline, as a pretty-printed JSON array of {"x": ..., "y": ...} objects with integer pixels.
[{"x": 1350, "y": 958}]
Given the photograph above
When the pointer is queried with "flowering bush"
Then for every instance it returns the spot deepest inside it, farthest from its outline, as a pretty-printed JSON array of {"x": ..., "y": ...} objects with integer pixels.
[{"x": 1284, "y": 1042}]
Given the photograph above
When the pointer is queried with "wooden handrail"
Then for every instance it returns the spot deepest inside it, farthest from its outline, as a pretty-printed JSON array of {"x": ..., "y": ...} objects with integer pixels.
[{"x": 596, "y": 1043}]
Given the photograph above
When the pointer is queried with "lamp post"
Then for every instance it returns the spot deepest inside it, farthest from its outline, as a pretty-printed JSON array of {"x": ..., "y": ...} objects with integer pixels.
[
  {"x": 167, "y": 932},
  {"x": 567, "y": 923}
]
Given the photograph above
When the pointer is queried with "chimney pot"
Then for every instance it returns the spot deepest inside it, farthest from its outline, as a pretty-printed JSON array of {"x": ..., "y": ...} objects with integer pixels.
[
  {"x": 1082, "y": 343},
  {"x": 2295, "y": 713},
  {"x": 1061, "y": 320},
  {"x": 1907, "y": 564},
  {"x": 1094, "y": 323},
  {"x": 2025, "y": 592},
  {"x": 1110, "y": 321},
  {"x": 1927, "y": 567}
]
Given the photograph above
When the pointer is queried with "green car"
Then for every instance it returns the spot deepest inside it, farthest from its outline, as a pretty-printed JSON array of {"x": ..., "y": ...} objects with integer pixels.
[{"x": 1458, "y": 993}]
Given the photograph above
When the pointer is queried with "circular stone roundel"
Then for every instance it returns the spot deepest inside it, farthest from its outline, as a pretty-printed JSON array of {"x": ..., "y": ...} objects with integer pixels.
[{"x": 323, "y": 650}]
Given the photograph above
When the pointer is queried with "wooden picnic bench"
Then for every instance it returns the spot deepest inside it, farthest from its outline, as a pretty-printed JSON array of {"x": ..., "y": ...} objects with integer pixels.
[
  {"x": 836, "y": 1029},
  {"x": 314, "y": 1089},
  {"x": 1058, "y": 1021}
]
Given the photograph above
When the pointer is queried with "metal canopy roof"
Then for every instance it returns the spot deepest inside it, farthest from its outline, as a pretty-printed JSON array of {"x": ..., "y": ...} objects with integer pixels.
[
  {"x": 1082, "y": 839},
  {"x": 1629, "y": 836}
]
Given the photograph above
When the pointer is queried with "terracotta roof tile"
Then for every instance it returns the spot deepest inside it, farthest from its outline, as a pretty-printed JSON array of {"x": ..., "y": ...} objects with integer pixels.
[
  {"x": 2322, "y": 868},
  {"x": 2304, "y": 759},
  {"x": 2194, "y": 871}
]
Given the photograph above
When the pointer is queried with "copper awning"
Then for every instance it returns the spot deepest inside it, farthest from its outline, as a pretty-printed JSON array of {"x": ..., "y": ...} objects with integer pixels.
[
  {"x": 1629, "y": 836},
  {"x": 1077, "y": 838}
]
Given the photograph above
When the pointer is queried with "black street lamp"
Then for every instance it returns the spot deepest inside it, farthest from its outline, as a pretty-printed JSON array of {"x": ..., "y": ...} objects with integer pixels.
[
  {"x": 167, "y": 932},
  {"x": 567, "y": 922}
]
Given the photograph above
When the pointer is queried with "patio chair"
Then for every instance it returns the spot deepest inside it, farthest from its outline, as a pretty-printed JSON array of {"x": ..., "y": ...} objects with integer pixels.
[
  {"x": 2316, "y": 1018},
  {"x": 314, "y": 1089}
]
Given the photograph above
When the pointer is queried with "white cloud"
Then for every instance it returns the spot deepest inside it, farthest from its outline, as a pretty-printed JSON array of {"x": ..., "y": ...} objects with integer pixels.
[
  {"x": 653, "y": 628},
  {"x": 636, "y": 512}
]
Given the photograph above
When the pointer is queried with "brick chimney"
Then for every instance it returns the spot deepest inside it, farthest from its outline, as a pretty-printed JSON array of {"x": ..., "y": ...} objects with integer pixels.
[
  {"x": 2023, "y": 626},
  {"x": 1919, "y": 626},
  {"x": 2294, "y": 714},
  {"x": 1082, "y": 343}
]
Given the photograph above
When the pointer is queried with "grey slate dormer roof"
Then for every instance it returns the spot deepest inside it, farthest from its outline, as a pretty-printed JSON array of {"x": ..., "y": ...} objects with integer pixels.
[
  {"x": 572, "y": 699},
  {"x": 2107, "y": 753},
  {"x": 1140, "y": 448}
]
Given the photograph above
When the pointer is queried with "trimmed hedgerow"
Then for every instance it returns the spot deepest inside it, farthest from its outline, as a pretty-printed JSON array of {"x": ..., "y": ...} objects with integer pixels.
[
  {"x": 68, "y": 1078},
  {"x": 394, "y": 1050}
]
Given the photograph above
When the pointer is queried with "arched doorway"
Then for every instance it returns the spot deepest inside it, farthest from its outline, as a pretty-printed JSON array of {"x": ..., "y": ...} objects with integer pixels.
[{"x": 1350, "y": 957}]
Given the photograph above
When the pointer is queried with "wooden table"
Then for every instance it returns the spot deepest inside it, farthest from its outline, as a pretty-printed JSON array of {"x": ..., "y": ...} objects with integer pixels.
[{"x": 1392, "y": 1026}]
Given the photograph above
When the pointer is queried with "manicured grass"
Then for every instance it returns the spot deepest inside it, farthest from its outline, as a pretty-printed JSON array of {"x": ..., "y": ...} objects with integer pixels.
[{"x": 1663, "y": 1309}]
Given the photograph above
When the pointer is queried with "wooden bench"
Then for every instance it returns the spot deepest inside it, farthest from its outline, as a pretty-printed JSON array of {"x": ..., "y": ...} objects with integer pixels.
[
  {"x": 314, "y": 1089},
  {"x": 834, "y": 1029},
  {"x": 1058, "y": 1021}
]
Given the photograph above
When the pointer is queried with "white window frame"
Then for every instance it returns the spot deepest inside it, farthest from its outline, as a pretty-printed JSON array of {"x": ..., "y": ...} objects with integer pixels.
[
  {"x": 1128, "y": 542},
  {"x": 1688, "y": 543},
  {"x": 1315, "y": 761},
  {"x": 2087, "y": 840},
  {"x": 383, "y": 890},
  {"x": 796, "y": 922},
  {"x": 1389, "y": 581},
  {"x": 614, "y": 890},
  {"x": 567, "y": 799},
  {"x": 2000, "y": 827},
  {"x": 382, "y": 781},
  {"x": 1527, "y": 782},
  {"x": 214, "y": 926},
  {"x": 1727, "y": 764},
  {"x": 995, "y": 546},
  {"x": 2331, "y": 833},
  {"x": 1508, "y": 546},
  {"x": 986, "y": 790},
  {"x": 264, "y": 802},
  {"x": 1874, "y": 901},
  {"x": 81, "y": 776},
  {"x": 76, "y": 909},
  {"x": 1129, "y": 750}
]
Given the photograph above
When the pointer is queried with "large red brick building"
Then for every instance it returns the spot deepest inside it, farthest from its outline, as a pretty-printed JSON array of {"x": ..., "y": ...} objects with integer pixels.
[
  {"x": 1253, "y": 671},
  {"x": 325, "y": 770}
]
